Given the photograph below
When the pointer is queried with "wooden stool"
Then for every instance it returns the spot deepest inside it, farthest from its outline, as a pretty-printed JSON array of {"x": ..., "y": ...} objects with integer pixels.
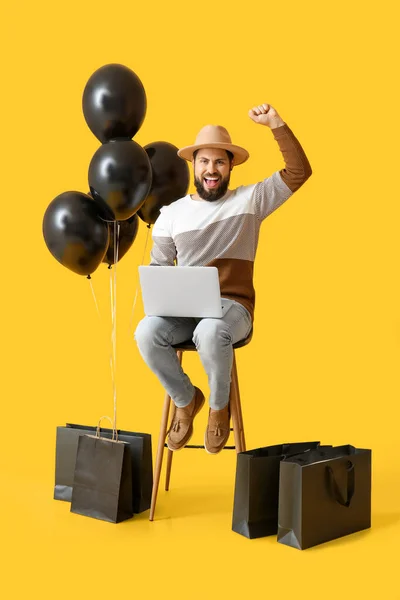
[{"x": 236, "y": 414}]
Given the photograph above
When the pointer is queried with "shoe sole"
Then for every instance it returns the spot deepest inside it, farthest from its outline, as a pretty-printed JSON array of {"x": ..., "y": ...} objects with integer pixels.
[{"x": 191, "y": 435}]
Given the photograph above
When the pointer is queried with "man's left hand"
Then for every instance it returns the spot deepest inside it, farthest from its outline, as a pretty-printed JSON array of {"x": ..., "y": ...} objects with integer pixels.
[{"x": 265, "y": 114}]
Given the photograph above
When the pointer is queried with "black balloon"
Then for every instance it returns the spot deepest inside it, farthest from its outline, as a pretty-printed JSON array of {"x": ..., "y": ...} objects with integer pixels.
[
  {"x": 114, "y": 103},
  {"x": 74, "y": 232},
  {"x": 119, "y": 179},
  {"x": 126, "y": 236},
  {"x": 170, "y": 179}
]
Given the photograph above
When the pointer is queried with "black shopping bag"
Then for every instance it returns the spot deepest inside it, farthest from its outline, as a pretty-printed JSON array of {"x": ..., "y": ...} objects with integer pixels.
[
  {"x": 102, "y": 486},
  {"x": 323, "y": 495},
  {"x": 141, "y": 461},
  {"x": 255, "y": 506}
]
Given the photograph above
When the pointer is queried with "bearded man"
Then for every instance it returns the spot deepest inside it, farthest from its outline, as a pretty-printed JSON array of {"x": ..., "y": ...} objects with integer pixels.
[{"x": 217, "y": 227}]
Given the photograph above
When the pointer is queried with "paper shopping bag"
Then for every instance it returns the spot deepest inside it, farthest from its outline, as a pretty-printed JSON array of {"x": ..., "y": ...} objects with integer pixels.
[
  {"x": 102, "y": 485},
  {"x": 324, "y": 494},
  {"x": 141, "y": 461},
  {"x": 255, "y": 509}
]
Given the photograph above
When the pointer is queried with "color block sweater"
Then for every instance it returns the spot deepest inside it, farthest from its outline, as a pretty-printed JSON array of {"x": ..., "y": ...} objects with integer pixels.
[{"x": 224, "y": 233}]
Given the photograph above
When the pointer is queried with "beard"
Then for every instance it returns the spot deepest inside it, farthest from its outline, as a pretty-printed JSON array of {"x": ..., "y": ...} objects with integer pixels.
[{"x": 213, "y": 194}]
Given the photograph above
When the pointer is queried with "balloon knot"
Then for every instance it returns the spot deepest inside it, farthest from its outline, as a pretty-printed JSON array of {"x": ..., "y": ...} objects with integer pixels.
[{"x": 88, "y": 277}]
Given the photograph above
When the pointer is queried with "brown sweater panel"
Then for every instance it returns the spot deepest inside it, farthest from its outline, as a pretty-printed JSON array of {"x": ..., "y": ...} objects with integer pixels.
[
  {"x": 297, "y": 167},
  {"x": 236, "y": 280}
]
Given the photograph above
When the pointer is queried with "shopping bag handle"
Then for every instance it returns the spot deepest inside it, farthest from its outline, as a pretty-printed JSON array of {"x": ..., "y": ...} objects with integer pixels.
[
  {"x": 350, "y": 485},
  {"x": 114, "y": 431}
]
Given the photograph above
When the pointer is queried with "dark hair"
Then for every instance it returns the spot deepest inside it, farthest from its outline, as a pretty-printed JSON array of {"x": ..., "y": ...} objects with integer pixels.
[{"x": 230, "y": 155}]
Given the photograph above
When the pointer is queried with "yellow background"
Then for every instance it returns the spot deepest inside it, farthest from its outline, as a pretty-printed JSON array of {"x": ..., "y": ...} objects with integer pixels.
[{"x": 323, "y": 363}]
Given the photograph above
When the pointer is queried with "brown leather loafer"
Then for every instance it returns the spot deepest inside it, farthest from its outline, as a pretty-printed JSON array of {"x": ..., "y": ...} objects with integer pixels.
[
  {"x": 218, "y": 430},
  {"x": 181, "y": 429}
]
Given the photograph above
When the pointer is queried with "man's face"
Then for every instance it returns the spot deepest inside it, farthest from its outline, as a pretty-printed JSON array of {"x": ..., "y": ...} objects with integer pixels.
[{"x": 212, "y": 172}]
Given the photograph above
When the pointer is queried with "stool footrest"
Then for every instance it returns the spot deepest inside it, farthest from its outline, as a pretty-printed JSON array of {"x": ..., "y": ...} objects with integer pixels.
[{"x": 195, "y": 446}]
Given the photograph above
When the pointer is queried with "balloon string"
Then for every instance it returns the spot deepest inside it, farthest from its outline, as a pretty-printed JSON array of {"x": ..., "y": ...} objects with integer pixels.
[
  {"x": 137, "y": 277},
  {"x": 116, "y": 240},
  {"x": 113, "y": 302},
  {"x": 145, "y": 245},
  {"x": 112, "y": 363},
  {"x": 94, "y": 298},
  {"x": 111, "y": 358}
]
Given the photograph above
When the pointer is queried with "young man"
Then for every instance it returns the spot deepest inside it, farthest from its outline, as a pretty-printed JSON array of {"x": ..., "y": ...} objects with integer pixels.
[{"x": 215, "y": 227}]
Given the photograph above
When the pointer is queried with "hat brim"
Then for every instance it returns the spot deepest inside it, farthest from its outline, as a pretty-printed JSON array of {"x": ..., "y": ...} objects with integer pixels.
[{"x": 240, "y": 155}]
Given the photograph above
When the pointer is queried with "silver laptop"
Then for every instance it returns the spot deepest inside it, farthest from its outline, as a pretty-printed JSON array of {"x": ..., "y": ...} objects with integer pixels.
[{"x": 181, "y": 291}]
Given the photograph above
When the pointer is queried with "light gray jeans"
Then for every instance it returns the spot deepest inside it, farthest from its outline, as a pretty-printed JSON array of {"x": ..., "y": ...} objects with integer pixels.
[{"x": 213, "y": 339}]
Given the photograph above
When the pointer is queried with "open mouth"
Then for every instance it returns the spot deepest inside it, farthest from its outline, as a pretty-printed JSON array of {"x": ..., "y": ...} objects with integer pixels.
[{"x": 211, "y": 183}]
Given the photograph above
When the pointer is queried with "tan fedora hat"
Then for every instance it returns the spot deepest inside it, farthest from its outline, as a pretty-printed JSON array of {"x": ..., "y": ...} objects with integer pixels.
[{"x": 214, "y": 136}]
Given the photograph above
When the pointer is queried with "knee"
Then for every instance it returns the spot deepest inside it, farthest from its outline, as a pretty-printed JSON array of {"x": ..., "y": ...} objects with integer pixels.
[
  {"x": 211, "y": 333},
  {"x": 148, "y": 331}
]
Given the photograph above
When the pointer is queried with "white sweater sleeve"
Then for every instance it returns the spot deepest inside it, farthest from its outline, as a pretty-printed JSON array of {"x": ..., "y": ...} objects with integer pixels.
[
  {"x": 163, "y": 253},
  {"x": 269, "y": 194}
]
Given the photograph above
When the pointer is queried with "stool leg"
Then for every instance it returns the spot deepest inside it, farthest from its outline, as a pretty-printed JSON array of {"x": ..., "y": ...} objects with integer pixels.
[
  {"x": 160, "y": 452},
  {"x": 170, "y": 454},
  {"x": 234, "y": 409},
  {"x": 169, "y": 465},
  {"x": 239, "y": 407}
]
